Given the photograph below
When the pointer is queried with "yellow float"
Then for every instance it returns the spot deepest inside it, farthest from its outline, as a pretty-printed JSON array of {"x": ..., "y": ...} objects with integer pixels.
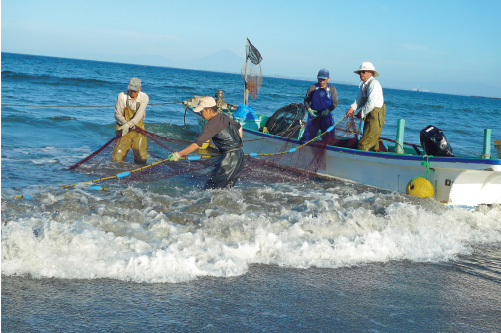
[{"x": 420, "y": 187}]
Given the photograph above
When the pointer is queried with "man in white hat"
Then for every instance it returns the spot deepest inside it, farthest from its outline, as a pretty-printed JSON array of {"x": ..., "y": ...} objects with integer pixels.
[
  {"x": 226, "y": 134},
  {"x": 370, "y": 101},
  {"x": 129, "y": 114}
]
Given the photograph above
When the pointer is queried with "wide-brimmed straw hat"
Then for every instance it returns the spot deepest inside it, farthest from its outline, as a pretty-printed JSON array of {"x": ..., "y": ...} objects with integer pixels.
[{"x": 367, "y": 66}]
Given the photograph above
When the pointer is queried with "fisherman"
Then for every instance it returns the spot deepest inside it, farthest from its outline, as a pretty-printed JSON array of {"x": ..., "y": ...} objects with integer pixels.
[
  {"x": 320, "y": 101},
  {"x": 370, "y": 101},
  {"x": 130, "y": 111},
  {"x": 226, "y": 134}
]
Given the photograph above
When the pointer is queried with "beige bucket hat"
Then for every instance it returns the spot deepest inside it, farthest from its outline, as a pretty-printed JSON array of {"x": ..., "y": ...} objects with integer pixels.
[{"x": 367, "y": 66}]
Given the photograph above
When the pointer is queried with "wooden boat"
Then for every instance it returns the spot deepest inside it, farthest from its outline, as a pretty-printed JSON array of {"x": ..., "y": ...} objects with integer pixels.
[{"x": 457, "y": 181}]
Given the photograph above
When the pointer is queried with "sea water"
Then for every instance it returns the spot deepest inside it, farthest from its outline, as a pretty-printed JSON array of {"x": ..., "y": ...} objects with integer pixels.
[{"x": 321, "y": 255}]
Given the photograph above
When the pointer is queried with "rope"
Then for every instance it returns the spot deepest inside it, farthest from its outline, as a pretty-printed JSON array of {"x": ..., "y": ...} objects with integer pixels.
[
  {"x": 127, "y": 173},
  {"x": 428, "y": 169},
  {"x": 80, "y": 106}
]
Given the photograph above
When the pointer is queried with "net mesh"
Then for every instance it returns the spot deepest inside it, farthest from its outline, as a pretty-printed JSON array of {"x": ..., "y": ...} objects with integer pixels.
[
  {"x": 254, "y": 78},
  {"x": 275, "y": 162},
  {"x": 251, "y": 72},
  {"x": 306, "y": 159}
]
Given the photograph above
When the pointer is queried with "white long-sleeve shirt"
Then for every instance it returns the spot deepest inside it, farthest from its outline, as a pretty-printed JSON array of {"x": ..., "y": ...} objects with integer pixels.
[
  {"x": 143, "y": 100},
  {"x": 374, "y": 92}
]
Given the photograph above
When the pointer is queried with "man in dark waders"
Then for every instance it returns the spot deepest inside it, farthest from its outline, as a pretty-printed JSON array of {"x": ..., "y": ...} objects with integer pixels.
[
  {"x": 370, "y": 101},
  {"x": 226, "y": 134}
]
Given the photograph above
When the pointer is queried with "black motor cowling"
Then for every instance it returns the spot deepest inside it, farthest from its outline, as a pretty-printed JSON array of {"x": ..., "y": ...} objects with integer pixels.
[{"x": 434, "y": 142}]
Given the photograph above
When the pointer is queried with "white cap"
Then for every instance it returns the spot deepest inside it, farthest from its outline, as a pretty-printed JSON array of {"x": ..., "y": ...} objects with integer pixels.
[
  {"x": 367, "y": 66},
  {"x": 205, "y": 102},
  {"x": 134, "y": 84}
]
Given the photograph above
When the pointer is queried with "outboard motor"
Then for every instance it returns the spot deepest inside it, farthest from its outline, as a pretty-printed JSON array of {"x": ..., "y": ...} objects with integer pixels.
[{"x": 434, "y": 142}]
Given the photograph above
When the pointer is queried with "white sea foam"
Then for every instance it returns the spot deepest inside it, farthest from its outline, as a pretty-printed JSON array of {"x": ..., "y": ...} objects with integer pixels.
[{"x": 142, "y": 236}]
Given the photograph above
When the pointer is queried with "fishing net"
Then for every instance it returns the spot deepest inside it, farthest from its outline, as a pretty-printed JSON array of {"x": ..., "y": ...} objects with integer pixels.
[
  {"x": 99, "y": 163},
  {"x": 275, "y": 158},
  {"x": 286, "y": 121},
  {"x": 251, "y": 72},
  {"x": 296, "y": 160}
]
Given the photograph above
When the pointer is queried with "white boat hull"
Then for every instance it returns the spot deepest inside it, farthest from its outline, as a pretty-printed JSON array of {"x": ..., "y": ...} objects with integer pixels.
[{"x": 457, "y": 181}]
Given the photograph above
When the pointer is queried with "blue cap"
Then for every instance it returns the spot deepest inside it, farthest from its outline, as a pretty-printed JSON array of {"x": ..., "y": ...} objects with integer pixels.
[{"x": 323, "y": 74}]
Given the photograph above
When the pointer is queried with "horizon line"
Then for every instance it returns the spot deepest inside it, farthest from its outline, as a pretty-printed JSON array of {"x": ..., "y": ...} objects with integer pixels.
[{"x": 276, "y": 76}]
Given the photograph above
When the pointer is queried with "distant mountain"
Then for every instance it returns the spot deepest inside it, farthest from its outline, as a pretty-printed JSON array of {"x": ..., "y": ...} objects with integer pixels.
[{"x": 222, "y": 61}]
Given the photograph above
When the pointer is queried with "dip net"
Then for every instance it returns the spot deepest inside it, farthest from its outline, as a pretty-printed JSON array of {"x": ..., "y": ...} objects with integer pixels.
[
  {"x": 277, "y": 158},
  {"x": 251, "y": 72}
]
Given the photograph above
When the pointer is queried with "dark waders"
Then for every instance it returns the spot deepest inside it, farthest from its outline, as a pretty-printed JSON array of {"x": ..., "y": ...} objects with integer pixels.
[{"x": 231, "y": 161}]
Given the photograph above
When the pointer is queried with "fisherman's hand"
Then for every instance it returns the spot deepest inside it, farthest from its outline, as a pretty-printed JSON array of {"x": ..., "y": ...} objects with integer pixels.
[
  {"x": 326, "y": 112},
  {"x": 125, "y": 128},
  {"x": 175, "y": 157},
  {"x": 312, "y": 112},
  {"x": 349, "y": 113}
]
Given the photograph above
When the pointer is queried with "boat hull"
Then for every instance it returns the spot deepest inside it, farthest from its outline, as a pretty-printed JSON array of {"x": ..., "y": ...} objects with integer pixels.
[{"x": 457, "y": 181}]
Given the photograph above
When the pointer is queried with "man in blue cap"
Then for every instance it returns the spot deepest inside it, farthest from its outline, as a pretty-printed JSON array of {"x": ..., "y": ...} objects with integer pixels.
[{"x": 320, "y": 101}]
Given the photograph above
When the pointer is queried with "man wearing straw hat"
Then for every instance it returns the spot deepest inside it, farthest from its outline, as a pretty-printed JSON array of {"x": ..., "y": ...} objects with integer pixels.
[
  {"x": 226, "y": 134},
  {"x": 370, "y": 101},
  {"x": 129, "y": 114}
]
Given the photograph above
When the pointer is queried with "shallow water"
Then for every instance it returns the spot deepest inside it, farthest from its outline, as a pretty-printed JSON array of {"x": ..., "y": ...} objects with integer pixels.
[{"x": 315, "y": 255}]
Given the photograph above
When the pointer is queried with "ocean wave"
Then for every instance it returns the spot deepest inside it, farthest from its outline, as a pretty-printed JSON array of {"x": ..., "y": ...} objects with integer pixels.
[
  {"x": 143, "y": 235},
  {"x": 53, "y": 79},
  {"x": 62, "y": 118}
]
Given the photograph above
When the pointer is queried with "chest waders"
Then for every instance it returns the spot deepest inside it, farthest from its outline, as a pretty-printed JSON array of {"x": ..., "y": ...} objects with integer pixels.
[
  {"x": 320, "y": 101},
  {"x": 230, "y": 163},
  {"x": 133, "y": 139},
  {"x": 373, "y": 125}
]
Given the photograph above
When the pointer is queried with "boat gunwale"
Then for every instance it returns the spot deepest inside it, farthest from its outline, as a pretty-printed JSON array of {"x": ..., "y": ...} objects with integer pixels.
[
  {"x": 389, "y": 155},
  {"x": 384, "y": 155}
]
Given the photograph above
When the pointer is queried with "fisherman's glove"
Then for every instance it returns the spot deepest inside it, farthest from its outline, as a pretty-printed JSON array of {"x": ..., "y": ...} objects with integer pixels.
[
  {"x": 175, "y": 157},
  {"x": 125, "y": 128},
  {"x": 326, "y": 112},
  {"x": 312, "y": 112}
]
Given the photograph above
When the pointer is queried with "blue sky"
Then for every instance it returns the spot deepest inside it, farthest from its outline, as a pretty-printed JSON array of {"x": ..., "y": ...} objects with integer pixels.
[{"x": 440, "y": 46}]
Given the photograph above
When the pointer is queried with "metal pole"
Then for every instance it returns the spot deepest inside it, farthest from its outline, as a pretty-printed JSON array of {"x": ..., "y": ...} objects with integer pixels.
[{"x": 246, "y": 90}]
